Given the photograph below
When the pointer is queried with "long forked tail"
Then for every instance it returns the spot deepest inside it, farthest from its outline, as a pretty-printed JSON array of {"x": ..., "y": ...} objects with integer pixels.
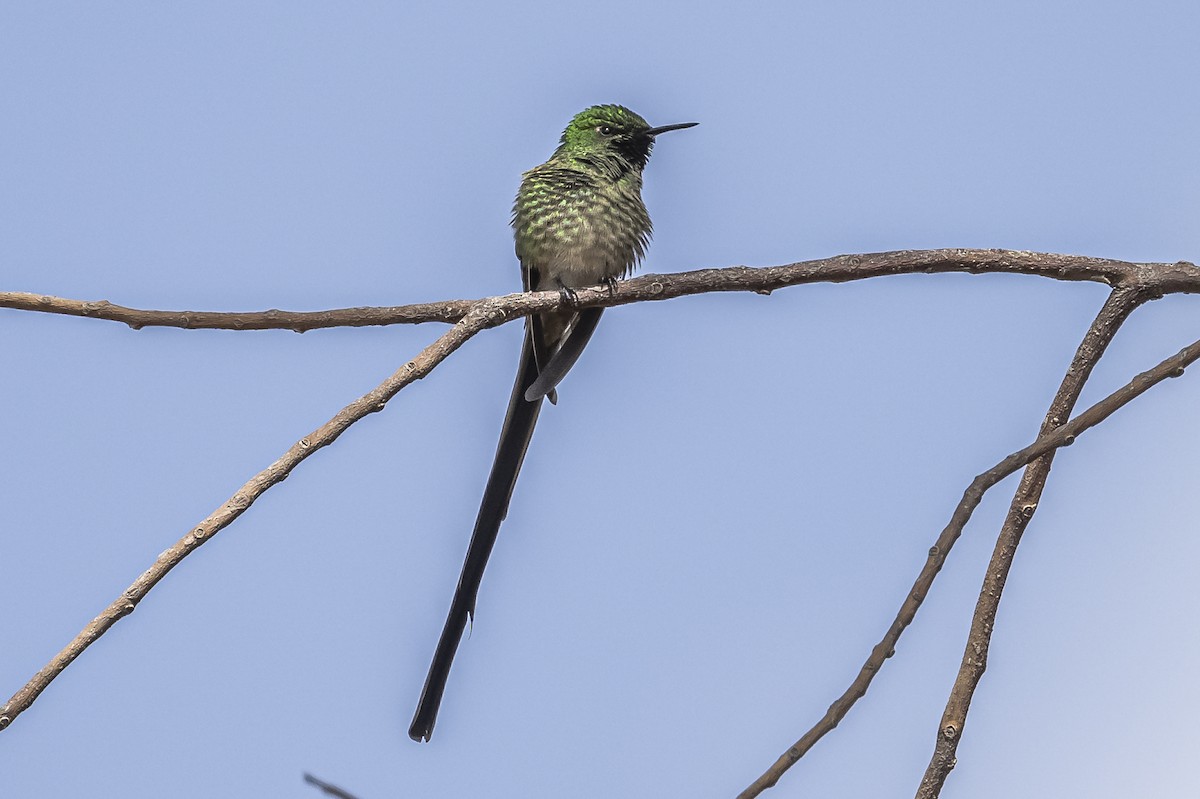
[{"x": 510, "y": 452}]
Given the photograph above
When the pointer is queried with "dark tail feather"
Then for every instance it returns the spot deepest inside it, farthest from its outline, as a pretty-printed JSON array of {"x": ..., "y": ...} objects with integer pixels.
[
  {"x": 510, "y": 452},
  {"x": 565, "y": 356}
]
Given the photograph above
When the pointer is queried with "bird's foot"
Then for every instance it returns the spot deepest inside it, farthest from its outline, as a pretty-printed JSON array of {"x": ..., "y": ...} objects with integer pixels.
[
  {"x": 568, "y": 295},
  {"x": 610, "y": 283}
]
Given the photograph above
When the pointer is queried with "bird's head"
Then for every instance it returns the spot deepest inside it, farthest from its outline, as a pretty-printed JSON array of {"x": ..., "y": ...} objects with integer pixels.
[{"x": 612, "y": 132}]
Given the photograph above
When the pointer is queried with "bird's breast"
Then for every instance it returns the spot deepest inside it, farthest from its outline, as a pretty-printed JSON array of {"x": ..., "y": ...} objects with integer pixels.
[{"x": 577, "y": 233}]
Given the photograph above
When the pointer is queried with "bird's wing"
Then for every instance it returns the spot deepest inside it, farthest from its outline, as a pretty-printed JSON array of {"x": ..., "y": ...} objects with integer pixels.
[{"x": 552, "y": 371}]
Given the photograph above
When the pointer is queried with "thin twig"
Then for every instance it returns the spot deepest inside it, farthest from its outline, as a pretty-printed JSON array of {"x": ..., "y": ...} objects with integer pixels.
[
  {"x": 1179, "y": 277},
  {"x": 1020, "y": 512},
  {"x": 482, "y": 316},
  {"x": 274, "y": 319},
  {"x": 1121, "y": 302},
  {"x": 332, "y": 790}
]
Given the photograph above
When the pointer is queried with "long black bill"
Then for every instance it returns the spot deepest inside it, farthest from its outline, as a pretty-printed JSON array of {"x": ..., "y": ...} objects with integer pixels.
[{"x": 680, "y": 126}]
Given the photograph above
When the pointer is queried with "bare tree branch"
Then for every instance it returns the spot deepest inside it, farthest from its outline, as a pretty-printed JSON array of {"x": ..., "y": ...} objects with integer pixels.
[
  {"x": 274, "y": 319},
  {"x": 1181, "y": 277},
  {"x": 1145, "y": 281},
  {"x": 484, "y": 315},
  {"x": 1121, "y": 302},
  {"x": 1020, "y": 512}
]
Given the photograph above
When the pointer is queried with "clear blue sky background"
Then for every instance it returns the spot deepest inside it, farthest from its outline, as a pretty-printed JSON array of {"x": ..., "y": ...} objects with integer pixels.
[{"x": 727, "y": 506}]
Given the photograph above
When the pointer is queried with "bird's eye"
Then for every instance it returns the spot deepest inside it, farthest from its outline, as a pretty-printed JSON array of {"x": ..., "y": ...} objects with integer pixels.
[{"x": 604, "y": 130}]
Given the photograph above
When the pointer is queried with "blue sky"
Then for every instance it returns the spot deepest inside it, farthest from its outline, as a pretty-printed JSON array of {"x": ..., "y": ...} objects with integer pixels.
[{"x": 734, "y": 493}]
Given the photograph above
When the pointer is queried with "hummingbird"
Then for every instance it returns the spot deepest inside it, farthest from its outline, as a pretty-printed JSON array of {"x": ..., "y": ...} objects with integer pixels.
[{"x": 578, "y": 220}]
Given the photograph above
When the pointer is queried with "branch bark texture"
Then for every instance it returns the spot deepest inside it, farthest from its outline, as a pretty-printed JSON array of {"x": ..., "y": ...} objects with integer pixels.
[
  {"x": 1181, "y": 277},
  {"x": 1052, "y": 438},
  {"x": 1133, "y": 284},
  {"x": 483, "y": 315},
  {"x": 1121, "y": 303}
]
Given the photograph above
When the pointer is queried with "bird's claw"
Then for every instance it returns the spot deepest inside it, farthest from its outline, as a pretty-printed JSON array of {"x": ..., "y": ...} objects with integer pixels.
[
  {"x": 610, "y": 283},
  {"x": 568, "y": 295}
]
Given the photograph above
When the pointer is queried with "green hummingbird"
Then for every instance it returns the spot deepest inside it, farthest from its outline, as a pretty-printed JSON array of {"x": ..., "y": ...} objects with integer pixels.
[{"x": 578, "y": 220}]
